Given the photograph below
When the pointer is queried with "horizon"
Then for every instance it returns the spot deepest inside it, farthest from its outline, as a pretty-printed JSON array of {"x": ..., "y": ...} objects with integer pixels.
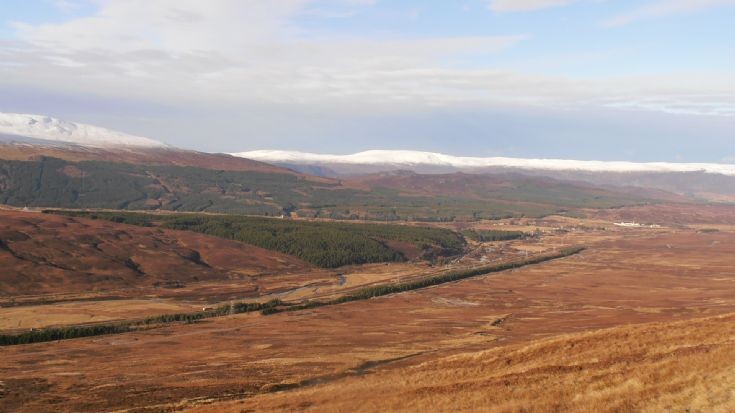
[
  {"x": 384, "y": 149},
  {"x": 103, "y": 137},
  {"x": 546, "y": 79}
]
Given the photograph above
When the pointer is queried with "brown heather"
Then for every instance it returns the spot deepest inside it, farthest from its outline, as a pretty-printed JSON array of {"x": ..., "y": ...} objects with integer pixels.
[{"x": 686, "y": 366}]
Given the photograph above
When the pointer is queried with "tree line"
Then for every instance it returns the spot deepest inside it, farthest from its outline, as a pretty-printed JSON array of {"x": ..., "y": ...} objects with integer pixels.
[
  {"x": 385, "y": 289},
  {"x": 69, "y": 332},
  {"x": 269, "y": 307},
  {"x": 494, "y": 235},
  {"x": 324, "y": 244}
]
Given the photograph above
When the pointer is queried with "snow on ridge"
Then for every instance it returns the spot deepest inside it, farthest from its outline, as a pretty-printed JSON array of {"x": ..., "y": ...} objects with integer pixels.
[
  {"x": 52, "y": 129},
  {"x": 411, "y": 158}
]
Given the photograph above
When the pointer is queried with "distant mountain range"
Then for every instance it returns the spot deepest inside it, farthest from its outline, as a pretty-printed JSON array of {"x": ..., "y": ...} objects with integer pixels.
[
  {"x": 56, "y": 130},
  {"x": 47, "y": 162},
  {"x": 402, "y": 159},
  {"x": 700, "y": 181}
]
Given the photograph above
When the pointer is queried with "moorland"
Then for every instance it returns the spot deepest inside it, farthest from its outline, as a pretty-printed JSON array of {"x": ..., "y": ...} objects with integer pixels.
[
  {"x": 158, "y": 284},
  {"x": 654, "y": 295}
]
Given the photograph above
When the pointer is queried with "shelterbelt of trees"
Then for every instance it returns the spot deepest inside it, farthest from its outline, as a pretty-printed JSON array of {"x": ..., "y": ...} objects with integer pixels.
[
  {"x": 70, "y": 332},
  {"x": 495, "y": 235},
  {"x": 451, "y": 276},
  {"x": 324, "y": 244},
  {"x": 272, "y": 306}
]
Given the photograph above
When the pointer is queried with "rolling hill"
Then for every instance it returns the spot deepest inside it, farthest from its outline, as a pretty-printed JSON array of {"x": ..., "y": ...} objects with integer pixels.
[
  {"x": 698, "y": 181},
  {"x": 46, "y": 162},
  {"x": 61, "y": 255},
  {"x": 57, "y": 130},
  {"x": 53, "y": 182},
  {"x": 406, "y": 159}
]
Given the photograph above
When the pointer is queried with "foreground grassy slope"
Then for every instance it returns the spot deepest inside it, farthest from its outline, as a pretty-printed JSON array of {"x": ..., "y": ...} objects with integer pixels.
[
  {"x": 53, "y": 182},
  {"x": 326, "y": 244},
  {"x": 684, "y": 366}
]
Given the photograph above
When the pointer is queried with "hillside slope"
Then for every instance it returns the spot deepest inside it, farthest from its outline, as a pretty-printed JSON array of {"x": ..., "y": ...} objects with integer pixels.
[
  {"x": 57, "y": 254},
  {"x": 150, "y": 185},
  {"x": 169, "y": 156},
  {"x": 510, "y": 187},
  {"x": 53, "y": 182},
  {"x": 48, "y": 162},
  {"x": 686, "y": 366},
  {"x": 52, "y": 129},
  {"x": 701, "y": 181}
]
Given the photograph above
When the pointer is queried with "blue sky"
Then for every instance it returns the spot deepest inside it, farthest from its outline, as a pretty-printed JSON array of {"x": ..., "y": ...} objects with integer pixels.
[{"x": 589, "y": 79}]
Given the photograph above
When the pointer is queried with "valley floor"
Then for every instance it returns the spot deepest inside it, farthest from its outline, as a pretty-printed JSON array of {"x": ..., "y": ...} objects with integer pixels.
[{"x": 642, "y": 320}]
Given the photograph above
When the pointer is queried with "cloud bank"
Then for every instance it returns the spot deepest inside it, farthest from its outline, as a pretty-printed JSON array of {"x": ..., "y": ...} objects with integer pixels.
[
  {"x": 526, "y": 5},
  {"x": 240, "y": 74},
  {"x": 663, "y": 8},
  {"x": 250, "y": 51}
]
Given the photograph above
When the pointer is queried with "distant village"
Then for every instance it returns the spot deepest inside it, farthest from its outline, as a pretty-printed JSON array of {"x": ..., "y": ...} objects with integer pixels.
[{"x": 635, "y": 225}]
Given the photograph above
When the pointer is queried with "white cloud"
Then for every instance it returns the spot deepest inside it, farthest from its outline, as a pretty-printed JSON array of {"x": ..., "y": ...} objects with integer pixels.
[
  {"x": 231, "y": 49},
  {"x": 250, "y": 52},
  {"x": 66, "y": 6},
  {"x": 663, "y": 8},
  {"x": 526, "y": 5},
  {"x": 360, "y": 2},
  {"x": 171, "y": 25}
]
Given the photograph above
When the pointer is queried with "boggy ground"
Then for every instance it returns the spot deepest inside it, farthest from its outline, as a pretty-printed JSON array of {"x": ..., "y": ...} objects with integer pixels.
[{"x": 624, "y": 277}]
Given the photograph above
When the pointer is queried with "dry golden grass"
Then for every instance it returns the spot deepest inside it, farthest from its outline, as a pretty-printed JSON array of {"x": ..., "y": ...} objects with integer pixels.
[
  {"x": 624, "y": 277},
  {"x": 686, "y": 366},
  {"x": 39, "y": 316},
  {"x": 50, "y": 254}
]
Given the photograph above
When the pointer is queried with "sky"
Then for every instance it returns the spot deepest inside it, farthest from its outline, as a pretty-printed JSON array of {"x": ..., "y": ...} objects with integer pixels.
[{"x": 638, "y": 80}]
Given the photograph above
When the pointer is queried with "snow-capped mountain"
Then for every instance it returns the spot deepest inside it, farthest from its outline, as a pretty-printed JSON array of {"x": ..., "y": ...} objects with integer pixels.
[
  {"x": 409, "y": 159},
  {"x": 52, "y": 129}
]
